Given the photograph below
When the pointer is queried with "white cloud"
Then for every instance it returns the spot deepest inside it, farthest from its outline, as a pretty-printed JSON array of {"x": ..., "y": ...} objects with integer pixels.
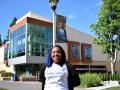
[{"x": 71, "y": 16}]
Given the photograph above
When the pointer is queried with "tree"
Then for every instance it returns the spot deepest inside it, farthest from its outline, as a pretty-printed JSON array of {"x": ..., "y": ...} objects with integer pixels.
[
  {"x": 4, "y": 41},
  {"x": 0, "y": 40},
  {"x": 7, "y": 37},
  {"x": 107, "y": 30},
  {"x": 13, "y": 22}
]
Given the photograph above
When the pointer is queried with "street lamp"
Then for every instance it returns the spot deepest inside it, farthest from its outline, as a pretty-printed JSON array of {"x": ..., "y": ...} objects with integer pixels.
[{"x": 53, "y": 4}]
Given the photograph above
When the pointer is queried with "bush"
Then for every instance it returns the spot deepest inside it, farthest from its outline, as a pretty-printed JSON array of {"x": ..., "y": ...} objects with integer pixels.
[
  {"x": 119, "y": 82},
  {"x": 3, "y": 89},
  {"x": 108, "y": 76},
  {"x": 105, "y": 76},
  {"x": 6, "y": 79},
  {"x": 32, "y": 78},
  {"x": 90, "y": 80},
  {"x": 2, "y": 71},
  {"x": 6, "y": 74}
]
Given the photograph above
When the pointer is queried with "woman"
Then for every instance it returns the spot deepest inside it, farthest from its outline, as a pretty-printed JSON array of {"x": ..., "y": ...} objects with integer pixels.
[{"x": 57, "y": 74}]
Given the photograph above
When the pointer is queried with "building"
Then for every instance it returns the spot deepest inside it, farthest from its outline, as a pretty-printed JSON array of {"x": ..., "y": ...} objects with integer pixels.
[
  {"x": 31, "y": 37},
  {"x": 4, "y": 66}
]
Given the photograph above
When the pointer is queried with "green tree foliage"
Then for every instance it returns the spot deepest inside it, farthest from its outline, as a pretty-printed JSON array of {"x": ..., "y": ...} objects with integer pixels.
[
  {"x": 7, "y": 36},
  {"x": 13, "y": 22},
  {"x": 0, "y": 40},
  {"x": 107, "y": 28},
  {"x": 90, "y": 80}
]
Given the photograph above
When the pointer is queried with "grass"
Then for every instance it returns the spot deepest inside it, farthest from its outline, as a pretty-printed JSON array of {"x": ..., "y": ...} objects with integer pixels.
[
  {"x": 113, "y": 88},
  {"x": 3, "y": 89}
]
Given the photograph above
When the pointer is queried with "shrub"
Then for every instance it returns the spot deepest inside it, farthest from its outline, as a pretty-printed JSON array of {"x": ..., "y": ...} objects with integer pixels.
[
  {"x": 105, "y": 76},
  {"x": 24, "y": 78},
  {"x": 2, "y": 71},
  {"x": 6, "y": 78},
  {"x": 3, "y": 89},
  {"x": 109, "y": 76},
  {"x": 90, "y": 80},
  {"x": 6, "y": 74}
]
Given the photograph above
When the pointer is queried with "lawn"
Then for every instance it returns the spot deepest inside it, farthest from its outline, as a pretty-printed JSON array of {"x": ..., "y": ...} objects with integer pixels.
[
  {"x": 113, "y": 88},
  {"x": 3, "y": 89}
]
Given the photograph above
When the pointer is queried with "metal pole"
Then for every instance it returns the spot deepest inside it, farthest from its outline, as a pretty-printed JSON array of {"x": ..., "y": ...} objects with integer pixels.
[{"x": 54, "y": 30}]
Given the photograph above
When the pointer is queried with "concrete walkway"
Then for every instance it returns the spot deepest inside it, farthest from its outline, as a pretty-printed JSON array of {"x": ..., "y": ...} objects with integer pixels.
[
  {"x": 10, "y": 85},
  {"x": 37, "y": 85},
  {"x": 107, "y": 84},
  {"x": 20, "y": 85}
]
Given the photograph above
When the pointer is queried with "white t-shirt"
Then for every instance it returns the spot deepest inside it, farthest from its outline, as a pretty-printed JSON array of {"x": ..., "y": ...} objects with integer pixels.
[{"x": 56, "y": 77}]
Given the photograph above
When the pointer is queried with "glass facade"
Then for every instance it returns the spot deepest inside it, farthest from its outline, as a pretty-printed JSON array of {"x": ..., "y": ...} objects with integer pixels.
[
  {"x": 76, "y": 51},
  {"x": 17, "y": 42},
  {"x": 39, "y": 40},
  {"x": 27, "y": 69}
]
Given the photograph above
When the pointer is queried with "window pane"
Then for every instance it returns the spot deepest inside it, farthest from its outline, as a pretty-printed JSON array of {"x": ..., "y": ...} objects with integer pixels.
[
  {"x": 88, "y": 53},
  {"x": 38, "y": 41},
  {"x": 76, "y": 51},
  {"x": 17, "y": 42}
]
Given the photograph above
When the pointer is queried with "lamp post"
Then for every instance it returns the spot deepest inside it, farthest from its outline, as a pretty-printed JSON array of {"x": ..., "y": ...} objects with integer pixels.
[{"x": 53, "y": 4}]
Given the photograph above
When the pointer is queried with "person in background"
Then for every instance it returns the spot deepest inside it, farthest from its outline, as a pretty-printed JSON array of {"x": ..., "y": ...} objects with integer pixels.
[{"x": 57, "y": 74}]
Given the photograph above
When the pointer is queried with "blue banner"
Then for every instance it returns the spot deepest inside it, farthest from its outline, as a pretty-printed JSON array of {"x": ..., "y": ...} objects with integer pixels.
[{"x": 61, "y": 36}]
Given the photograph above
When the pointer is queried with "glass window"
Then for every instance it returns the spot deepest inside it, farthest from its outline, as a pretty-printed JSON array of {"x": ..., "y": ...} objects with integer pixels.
[
  {"x": 75, "y": 51},
  {"x": 39, "y": 39},
  {"x": 88, "y": 53},
  {"x": 50, "y": 35},
  {"x": 17, "y": 42}
]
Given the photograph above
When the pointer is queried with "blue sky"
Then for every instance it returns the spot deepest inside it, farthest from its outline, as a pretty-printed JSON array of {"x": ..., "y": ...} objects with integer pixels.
[{"x": 80, "y": 13}]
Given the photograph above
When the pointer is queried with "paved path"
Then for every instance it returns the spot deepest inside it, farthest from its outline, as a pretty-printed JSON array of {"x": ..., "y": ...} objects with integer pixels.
[
  {"x": 107, "y": 84},
  {"x": 20, "y": 85},
  {"x": 37, "y": 85},
  {"x": 23, "y": 85}
]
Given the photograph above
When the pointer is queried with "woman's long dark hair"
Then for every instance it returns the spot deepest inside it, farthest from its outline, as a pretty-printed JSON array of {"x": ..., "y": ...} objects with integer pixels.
[{"x": 63, "y": 56}]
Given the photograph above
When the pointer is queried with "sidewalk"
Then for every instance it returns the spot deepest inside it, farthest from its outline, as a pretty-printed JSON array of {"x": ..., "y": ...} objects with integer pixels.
[
  {"x": 107, "y": 84},
  {"x": 37, "y": 85}
]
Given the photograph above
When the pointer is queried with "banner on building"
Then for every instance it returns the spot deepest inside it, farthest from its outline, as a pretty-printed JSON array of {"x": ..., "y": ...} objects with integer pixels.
[{"x": 61, "y": 36}]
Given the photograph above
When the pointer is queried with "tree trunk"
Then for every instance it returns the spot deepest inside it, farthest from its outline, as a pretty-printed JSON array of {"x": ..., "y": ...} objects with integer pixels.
[
  {"x": 113, "y": 61},
  {"x": 112, "y": 66}
]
